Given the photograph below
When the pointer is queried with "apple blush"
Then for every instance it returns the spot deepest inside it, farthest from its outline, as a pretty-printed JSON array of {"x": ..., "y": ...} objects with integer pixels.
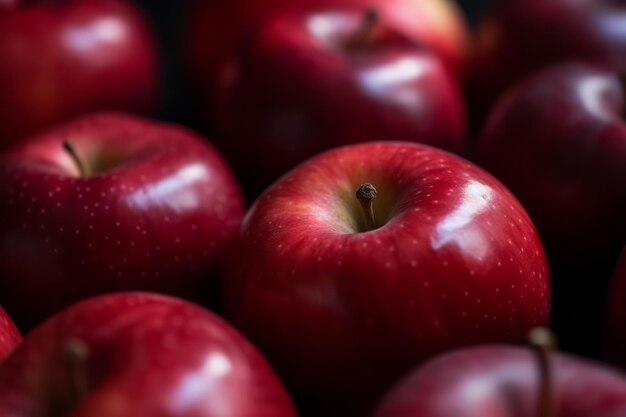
[
  {"x": 367, "y": 260},
  {"x": 112, "y": 203}
]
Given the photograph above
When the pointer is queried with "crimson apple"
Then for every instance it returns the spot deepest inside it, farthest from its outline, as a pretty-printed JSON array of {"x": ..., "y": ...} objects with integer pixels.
[
  {"x": 310, "y": 82},
  {"x": 214, "y": 29},
  {"x": 139, "y": 355},
  {"x": 521, "y": 36},
  {"x": 154, "y": 208},
  {"x": 345, "y": 297},
  {"x": 9, "y": 335},
  {"x": 558, "y": 141},
  {"x": 497, "y": 381},
  {"x": 615, "y": 340},
  {"x": 62, "y": 58}
]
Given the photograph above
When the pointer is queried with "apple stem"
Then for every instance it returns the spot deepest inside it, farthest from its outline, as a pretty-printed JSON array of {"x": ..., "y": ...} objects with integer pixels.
[
  {"x": 363, "y": 35},
  {"x": 366, "y": 194},
  {"x": 71, "y": 150},
  {"x": 75, "y": 355},
  {"x": 544, "y": 343}
]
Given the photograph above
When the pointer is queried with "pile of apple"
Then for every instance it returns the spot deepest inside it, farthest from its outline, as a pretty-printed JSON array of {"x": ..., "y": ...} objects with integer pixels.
[{"x": 376, "y": 271}]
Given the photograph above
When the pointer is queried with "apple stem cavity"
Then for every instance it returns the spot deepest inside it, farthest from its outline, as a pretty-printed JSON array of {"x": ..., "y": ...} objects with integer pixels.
[
  {"x": 366, "y": 194},
  {"x": 71, "y": 150},
  {"x": 75, "y": 355},
  {"x": 365, "y": 32},
  {"x": 544, "y": 343}
]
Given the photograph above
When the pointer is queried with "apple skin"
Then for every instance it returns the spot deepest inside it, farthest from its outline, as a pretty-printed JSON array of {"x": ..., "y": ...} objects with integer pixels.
[
  {"x": 301, "y": 89},
  {"x": 342, "y": 314},
  {"x": 520, "y": 37},
  {"x": 10, "y": 337},
  {"x": 499, "y": 381},
  {"x": 158, "y": 215},
  {"x": 91, "y": 56},
  {"x": 214, "y": 29},
  {"x": 148, "y": 355},
  {"x": 567, "y": 166},
  {"x": 558, "y": 141},
  {"x": 615, "y": 337}
]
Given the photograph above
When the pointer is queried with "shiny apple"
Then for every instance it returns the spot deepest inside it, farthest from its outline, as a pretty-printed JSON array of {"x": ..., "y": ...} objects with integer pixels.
[
  {"x": 558, "y": 141},
  {"x": 309, "y": 82},
  {"x": 345, "y": 293},
  {"x": 498, "y": 381},
  {"x": 520, "y": 37},
  {"x": 139, "y": 355},
  {"x": 109, "y": 203},
  {"x": 214, "y": 29},
  {"x": 63, "y": 58}
]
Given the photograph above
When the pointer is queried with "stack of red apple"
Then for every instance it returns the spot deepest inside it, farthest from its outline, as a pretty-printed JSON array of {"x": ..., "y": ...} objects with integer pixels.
[{"x": 371, "y": 245}]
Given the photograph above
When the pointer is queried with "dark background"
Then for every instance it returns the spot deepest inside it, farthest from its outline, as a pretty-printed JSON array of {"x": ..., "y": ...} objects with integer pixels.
[{"x": 167, "y": 19}]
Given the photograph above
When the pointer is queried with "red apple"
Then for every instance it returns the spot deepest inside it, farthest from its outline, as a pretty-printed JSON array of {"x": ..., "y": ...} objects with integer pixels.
[
  {"x": 342, "y": 310},
  {"x": 62, "y": 58},
  {"x": 615, "y": 341},
  {"x": 521, "y": 36},
  {"x": 498, "y": 381},
  {"x": 309, "y": 82},
  {"x": 139, "y": 355},
  {"x": 215, "y": 27},
  {"x": 558, "y": 141},
  {"x": 9, "y": 335},
  {"x": 155, "y": 210}
]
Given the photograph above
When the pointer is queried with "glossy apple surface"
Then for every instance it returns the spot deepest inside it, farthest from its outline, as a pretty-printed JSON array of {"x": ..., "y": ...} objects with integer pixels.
[
  {"x": 490, "y": 381},
  {"x": 342, "y": 312},
  {"x": 567, "y": 166},
  {"x": 140, "y": 355},
  {"x": 615, "y": 341},
  {"x": 9, "y": 335},
  {"x": 522, "y": 36},
  {"x": 156, "y": 211},
  {"x": 309, "y": 82},
  {"x": 63, "y": 58},
  {"x": 558, "y": 141},
  {"x": 214, "y": 29}
]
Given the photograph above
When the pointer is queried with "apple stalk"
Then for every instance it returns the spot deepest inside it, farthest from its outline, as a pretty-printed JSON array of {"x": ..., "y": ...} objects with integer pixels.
[
  {"x": 366, "y": 194},
  {"x": 544, "y": 343}
]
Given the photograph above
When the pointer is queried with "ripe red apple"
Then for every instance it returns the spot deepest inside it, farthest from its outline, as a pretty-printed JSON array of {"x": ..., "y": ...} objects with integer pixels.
[
  {"x": 495, "y": 381},
  {"x": 558, "y": 141},
  {"x": 139, "y": 355},
  {"x": 9, "y": 335},
  {"x": 62, "y": 58},
  {"x": 615, "y": 341},
  {"x": 214, "y": 29},
  {"x": 343, "y": 308},
  {"x": 309, "y": 82},
  {"x": 521, "y": 36},
  {"x": 155, "y": 210}
]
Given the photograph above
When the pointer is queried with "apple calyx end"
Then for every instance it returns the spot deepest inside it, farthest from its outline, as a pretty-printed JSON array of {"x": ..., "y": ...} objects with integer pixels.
[
  {"x": 71, "y": 150},
  {"x": 366, "y": 194}
]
